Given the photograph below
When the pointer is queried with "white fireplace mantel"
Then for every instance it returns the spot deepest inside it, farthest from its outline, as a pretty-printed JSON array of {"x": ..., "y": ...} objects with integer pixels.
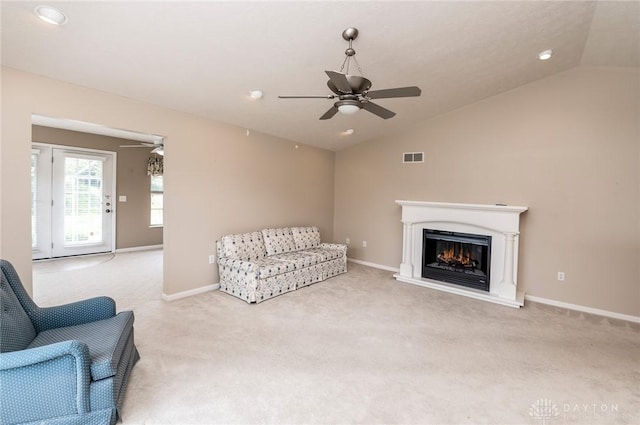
[{"x": 501, "y": 222}]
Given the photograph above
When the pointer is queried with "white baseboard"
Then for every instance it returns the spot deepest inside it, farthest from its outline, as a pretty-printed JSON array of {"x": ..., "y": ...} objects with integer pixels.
[
  {"x": 590, "y": 310},
  {"x": 374, "y": 265},
  {"x": 569, "y": 306},
  {"x": 190, "y": 292},
  {"x": 139, "y": 248}
]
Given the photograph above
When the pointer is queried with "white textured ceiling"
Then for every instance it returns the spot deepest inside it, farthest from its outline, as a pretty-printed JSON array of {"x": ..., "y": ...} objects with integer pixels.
[{"x": 204, "y": 57}]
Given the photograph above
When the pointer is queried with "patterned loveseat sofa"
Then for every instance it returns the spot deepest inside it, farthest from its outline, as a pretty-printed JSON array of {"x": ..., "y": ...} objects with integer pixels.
[{"x": 260, "y": 265}]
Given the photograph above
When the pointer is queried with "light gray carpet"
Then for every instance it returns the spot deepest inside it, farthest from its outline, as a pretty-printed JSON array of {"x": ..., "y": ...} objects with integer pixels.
[{"x": 359, "y": 348}]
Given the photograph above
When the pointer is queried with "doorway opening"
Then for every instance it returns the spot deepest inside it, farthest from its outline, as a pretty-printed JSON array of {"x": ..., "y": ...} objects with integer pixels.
[
  {"x": 133, "y": 204},
  {"x": 71, "y": 201}
]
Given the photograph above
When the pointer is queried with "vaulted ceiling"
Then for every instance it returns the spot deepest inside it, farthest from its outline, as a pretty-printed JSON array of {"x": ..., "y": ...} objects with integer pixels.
[{"x": 205, "y": 57}]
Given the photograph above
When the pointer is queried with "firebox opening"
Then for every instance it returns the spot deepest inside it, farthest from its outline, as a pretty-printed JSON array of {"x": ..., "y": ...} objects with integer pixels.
[{"x": 458, "y": 258}]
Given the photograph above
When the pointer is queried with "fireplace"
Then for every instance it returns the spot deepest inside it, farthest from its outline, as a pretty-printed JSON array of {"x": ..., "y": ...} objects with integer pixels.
[
  {"x": 490, "y": 234},
  {"x": 458, "y": 258}
]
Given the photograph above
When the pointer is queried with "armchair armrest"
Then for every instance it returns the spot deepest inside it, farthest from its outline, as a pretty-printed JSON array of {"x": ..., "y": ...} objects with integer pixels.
[
  {"x": 77, "y": 313},
  {"x": 45, "y": 382}
]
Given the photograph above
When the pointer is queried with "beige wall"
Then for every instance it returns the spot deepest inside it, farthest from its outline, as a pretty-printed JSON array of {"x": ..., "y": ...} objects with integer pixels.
[
  {"x": 132, "y": 217},
  {"x": 567, "y": 147},
  {"x": 217, "y": 180}
]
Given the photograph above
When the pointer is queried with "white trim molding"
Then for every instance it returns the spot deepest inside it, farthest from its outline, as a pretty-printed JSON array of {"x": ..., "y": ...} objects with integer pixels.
[
  {"x": 532, "y": 298},
  {"x": 584, "y": 309},
  {"x": 190, "y": 292},
  {"x": 139, "y": 248},
  {"x": 374, "y": 265}
]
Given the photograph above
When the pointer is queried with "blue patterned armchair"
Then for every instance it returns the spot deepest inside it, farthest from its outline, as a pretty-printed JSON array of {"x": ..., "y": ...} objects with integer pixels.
[{"x": 68, "y": 364}]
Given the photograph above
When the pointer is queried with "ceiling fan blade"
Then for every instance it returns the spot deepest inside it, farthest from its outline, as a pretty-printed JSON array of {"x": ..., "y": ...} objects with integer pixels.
[
  {"x": 397, "y": 92},
  {"x": 340, "y": 81},
  {"x": 330, "y": 113},
  {"x": 328, "y": 96},
  {"x": 378, "y": 110},
  {"x": 145, "y": 145}
]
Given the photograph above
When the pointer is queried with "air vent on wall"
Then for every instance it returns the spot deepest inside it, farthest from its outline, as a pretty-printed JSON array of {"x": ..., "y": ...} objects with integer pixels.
[{"x": 413, "y": 157}]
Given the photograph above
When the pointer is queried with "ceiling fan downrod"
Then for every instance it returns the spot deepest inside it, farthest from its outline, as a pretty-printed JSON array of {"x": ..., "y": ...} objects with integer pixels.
[{"x": 350, "y": 34}]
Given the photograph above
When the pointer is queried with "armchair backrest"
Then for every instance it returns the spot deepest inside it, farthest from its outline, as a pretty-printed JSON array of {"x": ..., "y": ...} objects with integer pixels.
[{"x": 16, "y": 329}]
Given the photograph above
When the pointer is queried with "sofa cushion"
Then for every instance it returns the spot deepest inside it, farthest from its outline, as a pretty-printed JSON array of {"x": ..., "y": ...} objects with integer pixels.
[
  {"x": 106, "y": 340},
  {"x": 326, "y": 254},
  {"x": 306, "y": 237},
  {"x": 243, "y": 246},
  {"x": 268, "y": 267},
  {"x": 278, "y": 241},
  {"x": 299, "y": 259},
  {"x": 16, "y": 329}
]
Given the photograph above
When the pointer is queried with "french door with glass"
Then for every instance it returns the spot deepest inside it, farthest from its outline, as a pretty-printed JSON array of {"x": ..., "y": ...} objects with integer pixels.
[{"x": 72, "y": 209}]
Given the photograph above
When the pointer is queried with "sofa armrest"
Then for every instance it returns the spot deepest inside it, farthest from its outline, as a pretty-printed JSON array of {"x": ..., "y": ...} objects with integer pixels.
[
  {"x": 337, "y": 246},
  {"x": 45, "y": 382},
  {"x": 77, "y": 313},
  {"x": 233, "y": 264}
]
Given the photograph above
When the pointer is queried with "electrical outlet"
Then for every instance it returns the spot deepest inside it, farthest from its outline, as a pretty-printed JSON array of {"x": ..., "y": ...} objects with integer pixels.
[
  {"x": 212, "y": 259},
  {"x": 561, "y": 276},
  {"x": 348, "y": 241},
  {"x": 364, "y": 244}
]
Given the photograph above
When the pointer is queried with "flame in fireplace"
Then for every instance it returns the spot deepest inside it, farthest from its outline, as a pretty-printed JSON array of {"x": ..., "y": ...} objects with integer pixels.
[{"x": 456, "y": 255}]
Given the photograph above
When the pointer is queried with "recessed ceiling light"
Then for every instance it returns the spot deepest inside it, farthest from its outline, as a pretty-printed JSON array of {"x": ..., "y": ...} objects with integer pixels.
[
  {"x": 256, "y": 94},
  {"x": 349, "y": 131},
  {"x": 543, "y": 56},
  {"x": 51, "y": 15}
]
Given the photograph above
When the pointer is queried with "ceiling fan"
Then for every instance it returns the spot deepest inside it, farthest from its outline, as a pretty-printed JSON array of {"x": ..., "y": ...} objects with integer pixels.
[
  {"x": 158, "y": 146},
  {"x": 353, "y": 92}
]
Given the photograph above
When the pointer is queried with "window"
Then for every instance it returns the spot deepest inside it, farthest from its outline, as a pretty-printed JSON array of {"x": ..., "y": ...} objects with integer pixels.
[
  {"x": 156, "y": 201},
  {"x": 83, "y": 200}
]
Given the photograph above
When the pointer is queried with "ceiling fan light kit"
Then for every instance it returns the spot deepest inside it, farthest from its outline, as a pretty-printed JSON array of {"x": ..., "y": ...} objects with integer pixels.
[
  {"x": 353, "y": 92},
  {"x": 348, "y": 107}
]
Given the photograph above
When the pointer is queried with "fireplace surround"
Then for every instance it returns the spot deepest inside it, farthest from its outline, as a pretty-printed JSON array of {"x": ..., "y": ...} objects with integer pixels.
[{"x": 494, "y": 227}]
